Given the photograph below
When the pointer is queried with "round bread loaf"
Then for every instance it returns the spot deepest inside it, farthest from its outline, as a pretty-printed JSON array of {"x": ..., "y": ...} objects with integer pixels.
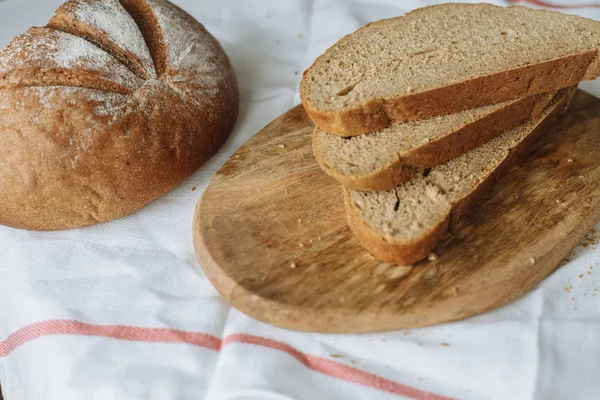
[{"x": 108, "y": 107}]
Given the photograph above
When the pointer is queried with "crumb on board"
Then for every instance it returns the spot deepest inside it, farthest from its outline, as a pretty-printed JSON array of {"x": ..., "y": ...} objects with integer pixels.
[
  {"x": 380, "y": 288},
  {"x": 299, "y": 220},
  {"x": 445, "y": 344},
  {"x": 432, "y": 256},
  {"x": 301, "y": 244},
  {"x": 300, "y": 36},
  {"x": 282, "y": 146},
  {"x": 194, "y": 189},
  {"x": 237, "y": 156},
  {"x": 532, "y": 260},
  {"x": 293, "y": 265},
  {"x": 570, "y": 161},
  {"x": 455, "y": 290},
  {"x": 335, "y": 356}
]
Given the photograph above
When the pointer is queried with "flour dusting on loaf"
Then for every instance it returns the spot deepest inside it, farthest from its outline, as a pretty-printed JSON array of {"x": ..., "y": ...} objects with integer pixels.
[
  {"x": 191, "y": 50},
  {"x": 110, "y": 17},
  {"x": 49, "y": 49}
]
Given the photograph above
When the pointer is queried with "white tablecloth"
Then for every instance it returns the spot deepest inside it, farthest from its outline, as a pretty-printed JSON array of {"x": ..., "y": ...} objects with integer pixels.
[{"x": 123, "y": 310}]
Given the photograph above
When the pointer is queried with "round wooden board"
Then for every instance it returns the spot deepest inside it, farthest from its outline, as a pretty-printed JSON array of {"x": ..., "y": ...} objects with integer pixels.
[{"x": 270, "y": 233}]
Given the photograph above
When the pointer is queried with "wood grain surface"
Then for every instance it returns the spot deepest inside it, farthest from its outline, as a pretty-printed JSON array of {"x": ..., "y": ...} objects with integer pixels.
[{"x": 270, "y": 233}]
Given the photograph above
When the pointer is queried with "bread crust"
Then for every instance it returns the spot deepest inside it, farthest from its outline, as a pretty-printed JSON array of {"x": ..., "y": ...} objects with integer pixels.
[
  {"x": 387, "y": 250},
  {"x": 445, "y": 148},
  {"x": 76, "y": 156},
  {"x": 409, "y": 252},
  {"x": 378, "y": 113}
]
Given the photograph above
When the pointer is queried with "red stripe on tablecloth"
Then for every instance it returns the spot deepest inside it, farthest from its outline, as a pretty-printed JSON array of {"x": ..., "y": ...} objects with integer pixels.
[
  {"x": 164, "y": 335},
  {"x": 335, "y": 369},
  {"x": 542, "y": 3}
]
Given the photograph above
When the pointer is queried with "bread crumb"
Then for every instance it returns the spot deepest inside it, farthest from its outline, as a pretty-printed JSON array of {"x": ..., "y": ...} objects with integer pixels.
[
  {"x": 532, "y": 260},
  {"x": 319, "y": 238},
  {"x": 300, "y": 36},
  {"x": 580, "y": 276},
  {"x": 432, "y": 257},
  {"x": 557, "y": 201},
  {"x": 278, "y": 42},
  {"x": 299, "y": 220},
  {"x": 237, "y": 156},
  {"x": 311, "y": 241},
  {"x": 398, "y": 272},
  {"x": 569, "y": 288},
  {"x": 445, "y": 344},
  {"x": 282, "y": 146},
  {"x": 380, "y": 288},
  {"x": 301, "y": 244},
  {"x": 335, "y": 355},
  {"x": 293, "y": 265},
  {"x": 570, "y": 161},
  {"x": 194, "y": 189},
  {"x": 455, "y": 290}
]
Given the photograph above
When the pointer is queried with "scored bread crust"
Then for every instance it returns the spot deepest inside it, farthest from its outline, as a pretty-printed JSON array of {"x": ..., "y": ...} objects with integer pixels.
[
  {"x": 80, "y": 147},
  {"x": 442, "y": 149},
  {"x": 411, "y": 251},
  {"x": 375, "y": 114}
]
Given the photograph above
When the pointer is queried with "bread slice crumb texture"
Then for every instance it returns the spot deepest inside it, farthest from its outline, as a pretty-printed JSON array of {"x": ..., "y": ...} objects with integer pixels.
[
  {"x": 442, "y": 45},
  {"x": 384, "y": 159},
  {"x": 388, "y": 222}
]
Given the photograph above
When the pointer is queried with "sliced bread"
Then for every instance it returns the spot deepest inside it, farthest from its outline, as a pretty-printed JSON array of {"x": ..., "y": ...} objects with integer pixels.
[
  {"x": 402, "y": 226},
  {"x": 443, "y": 59},
  {"x": 384, "y": 159}
]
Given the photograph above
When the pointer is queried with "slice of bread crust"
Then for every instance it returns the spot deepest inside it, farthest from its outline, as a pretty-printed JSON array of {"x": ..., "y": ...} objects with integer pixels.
[
  {"x": 384, "y": 159},
  {"x": 443, "y": 59},
  {"x": 404, "y": 225}
]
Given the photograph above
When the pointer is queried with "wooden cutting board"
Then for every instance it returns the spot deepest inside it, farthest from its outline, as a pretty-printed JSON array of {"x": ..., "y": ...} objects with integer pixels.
[{"x": 270, "y": 233}]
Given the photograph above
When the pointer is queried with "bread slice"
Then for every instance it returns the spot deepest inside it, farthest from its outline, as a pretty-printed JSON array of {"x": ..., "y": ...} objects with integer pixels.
[
  {"x": 443, "y": 59},
  {"x": 384, "y": 159},
  {"x": 402, "y": 226}
]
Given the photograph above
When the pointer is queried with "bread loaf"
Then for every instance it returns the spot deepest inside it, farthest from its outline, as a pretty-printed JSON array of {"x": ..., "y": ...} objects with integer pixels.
[
  {"x": 402, "y": 226},
  {"x": 443, "y": 59},
  {"x": 384, "y": 159},
  {"x": 111, "y": 105}
]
